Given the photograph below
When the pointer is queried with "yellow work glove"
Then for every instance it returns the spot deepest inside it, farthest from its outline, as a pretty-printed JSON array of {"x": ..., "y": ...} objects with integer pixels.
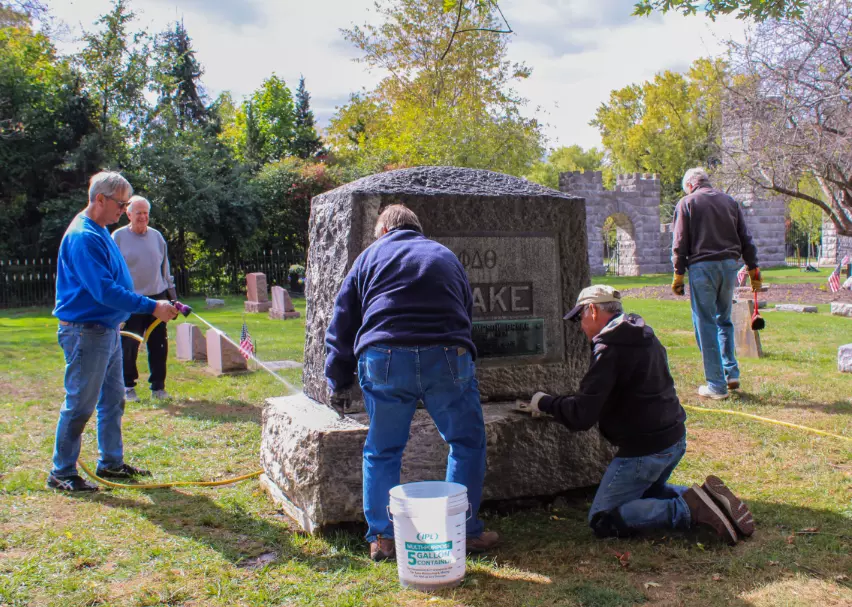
[
  {"x": 756, "y": 279},
  {"x": 677, "y": 285}
]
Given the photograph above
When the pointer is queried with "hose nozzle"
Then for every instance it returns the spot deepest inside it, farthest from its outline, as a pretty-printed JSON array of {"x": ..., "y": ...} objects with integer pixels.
[{"x": 182, "y": 308}]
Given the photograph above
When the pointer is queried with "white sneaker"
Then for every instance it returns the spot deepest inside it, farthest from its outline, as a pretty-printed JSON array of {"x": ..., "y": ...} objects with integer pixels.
[
  {"x": 160, "y": 394},
  {"x": 706, "y": 392},
  {"x": 130, "y": 395}
]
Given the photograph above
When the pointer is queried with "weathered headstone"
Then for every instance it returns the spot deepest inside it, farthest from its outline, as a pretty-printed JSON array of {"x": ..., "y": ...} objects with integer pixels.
[
  {"x": 746, "y": 341},
  {"x": 841, "y": 309},
  {"x": 796, "y": 308},
  {"x": 191, "y": 343},
  {"x": 282, "y": 305},
  {"x": 211, "y": 302},
  {"x": 257, "y": 299},
  {"x": 524, "y": 249},
  {"x": 844, "y": 358},
  {"x": 223, "y": 356}
]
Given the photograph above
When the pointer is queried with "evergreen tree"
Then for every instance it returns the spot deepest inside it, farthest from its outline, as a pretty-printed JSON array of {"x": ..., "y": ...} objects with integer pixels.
[
  {"x": 177, "y": 77},
  {"x": 306, "y": 143}
]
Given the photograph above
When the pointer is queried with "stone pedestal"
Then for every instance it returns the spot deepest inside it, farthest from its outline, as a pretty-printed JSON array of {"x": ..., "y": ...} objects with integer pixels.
[
  {"x": 191, "y": 343},
  {"x": 844, "y": 358},
  {"x": 257, "y": 298},
  {"x": 312, "y": 459},
  {"x": 746, "y": 341},
  {"x": 796, "y": 308},
  {"x": 282, "y": 305},
  {"x": 223, "y": 356}
]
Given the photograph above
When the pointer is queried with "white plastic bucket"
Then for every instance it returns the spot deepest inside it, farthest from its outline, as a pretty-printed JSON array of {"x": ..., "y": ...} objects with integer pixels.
[{"x": 429, "y": 527}]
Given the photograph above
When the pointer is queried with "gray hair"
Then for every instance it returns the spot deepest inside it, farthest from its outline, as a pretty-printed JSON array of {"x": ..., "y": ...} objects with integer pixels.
[
  {"x": 694, "y": 177},
  {"x": 136, "y": 200},
  {"x": 108, "y": 183},
  {"x": 611, "y": 307},
  {"x": 395, "y": 216}
]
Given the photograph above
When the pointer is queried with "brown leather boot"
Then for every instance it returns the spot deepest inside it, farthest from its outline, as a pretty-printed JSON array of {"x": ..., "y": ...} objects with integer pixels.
[
  {"x": 483, "y": 543},
  {"x": 730, "y": 504},
  {"x": 704, "y": 511},
  {"x": 382, "y": 549}
]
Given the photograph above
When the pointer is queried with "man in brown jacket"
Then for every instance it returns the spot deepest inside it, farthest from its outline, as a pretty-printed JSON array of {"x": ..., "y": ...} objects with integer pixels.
[{"x": 709, "y": 237}]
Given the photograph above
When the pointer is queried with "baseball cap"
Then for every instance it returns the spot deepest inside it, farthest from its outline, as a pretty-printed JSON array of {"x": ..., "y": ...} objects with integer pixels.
[{"x": 593, "y": 294}]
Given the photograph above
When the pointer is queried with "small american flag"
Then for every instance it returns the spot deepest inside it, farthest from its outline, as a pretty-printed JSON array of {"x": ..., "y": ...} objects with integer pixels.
[
  {"x": 741, "y": 276},
  {"x": 834, "y": 280},
  {"x": 246, "y": 344}
]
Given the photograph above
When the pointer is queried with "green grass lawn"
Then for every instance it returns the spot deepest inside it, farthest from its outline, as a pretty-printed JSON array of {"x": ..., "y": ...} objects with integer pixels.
[
  {"x": 199, "y": 546},
  {"x": 782, "y": 275}
]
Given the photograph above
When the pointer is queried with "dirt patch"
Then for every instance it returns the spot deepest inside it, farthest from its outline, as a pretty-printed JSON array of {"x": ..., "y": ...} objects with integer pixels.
[
  {"x": 800, "y": 592},
  {"x": 806, "y": 293},
  {"x": 719, "y": 444}
]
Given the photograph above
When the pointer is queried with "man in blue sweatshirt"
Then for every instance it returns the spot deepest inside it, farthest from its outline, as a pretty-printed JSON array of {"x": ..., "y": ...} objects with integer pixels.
[
  {"x": 629, "y": 392},
  {"x": 94, "y": 295},
  {"x": 403, "y": 318}
]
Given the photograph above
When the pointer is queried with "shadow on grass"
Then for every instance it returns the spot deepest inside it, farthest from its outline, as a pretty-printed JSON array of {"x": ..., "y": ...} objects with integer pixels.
[
  {"x": 239, "y": 536},
  {"x": 230, "y": 411},
  {"x": 838, "y": 406},
  {"x": 542, "y": 559}
]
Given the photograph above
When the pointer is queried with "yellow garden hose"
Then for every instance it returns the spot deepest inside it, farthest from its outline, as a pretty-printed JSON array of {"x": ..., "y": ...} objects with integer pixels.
[
  {"x": 768, "y": 420},
  {"x": 144, "y": 338},
  {"x": 166, "y": 485}
]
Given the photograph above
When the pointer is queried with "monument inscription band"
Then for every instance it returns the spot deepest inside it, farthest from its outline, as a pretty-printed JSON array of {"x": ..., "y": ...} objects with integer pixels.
[{"x": 497, "y": 338}]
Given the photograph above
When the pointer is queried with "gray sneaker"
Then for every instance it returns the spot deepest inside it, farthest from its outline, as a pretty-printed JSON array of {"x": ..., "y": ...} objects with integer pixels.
[
  {"x": 160, "y": 394},
  {"x": 130, "y": 395}
]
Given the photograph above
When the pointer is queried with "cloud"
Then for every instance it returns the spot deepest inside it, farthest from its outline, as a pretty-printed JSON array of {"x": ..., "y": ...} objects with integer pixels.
[{"x": 245, "y": 12}]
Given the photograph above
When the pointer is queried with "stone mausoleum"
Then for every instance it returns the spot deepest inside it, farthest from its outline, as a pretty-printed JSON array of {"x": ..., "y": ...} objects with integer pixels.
[{"x": 525, "y": 251}]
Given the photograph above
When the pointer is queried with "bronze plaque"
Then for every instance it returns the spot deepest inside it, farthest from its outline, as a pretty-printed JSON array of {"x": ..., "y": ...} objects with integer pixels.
[{"x": 507, "y": 338}]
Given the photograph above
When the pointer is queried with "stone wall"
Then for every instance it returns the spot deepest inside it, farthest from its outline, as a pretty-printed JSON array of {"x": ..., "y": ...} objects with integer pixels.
[
  {"x": 834, "y": 247},
  {"x": 634, "y": 204},
  {"x": 644, "y": 244}
]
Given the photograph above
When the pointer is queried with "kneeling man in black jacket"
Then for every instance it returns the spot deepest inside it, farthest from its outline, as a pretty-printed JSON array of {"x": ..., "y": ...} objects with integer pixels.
[{"x": 628, "y": 390}]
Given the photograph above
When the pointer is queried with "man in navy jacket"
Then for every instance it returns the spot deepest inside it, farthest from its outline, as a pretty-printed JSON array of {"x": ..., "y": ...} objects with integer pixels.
[
  {"x": 403, "y": 319},
  {"x": 629, "y": 392}
]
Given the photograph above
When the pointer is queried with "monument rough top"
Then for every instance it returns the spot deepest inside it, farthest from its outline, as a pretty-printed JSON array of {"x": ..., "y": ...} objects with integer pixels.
[{"x": 447, "y": 181}]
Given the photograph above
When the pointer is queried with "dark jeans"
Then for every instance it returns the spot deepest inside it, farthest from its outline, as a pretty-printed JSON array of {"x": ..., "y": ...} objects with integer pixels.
[
  {"x": 393, "y": 379},
  {"x": 158, "y": 348}
]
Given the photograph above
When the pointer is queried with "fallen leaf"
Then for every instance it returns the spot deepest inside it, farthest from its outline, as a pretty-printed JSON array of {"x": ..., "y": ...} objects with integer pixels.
[
  {"x": 68, "y": 535},
  {"x": 774, "y": 563},
  {"x": 556, "y": 518},
  {"x": 699, "y": 545},
  {"x": 791, "y": 539},
  {"x": 841, "y": 578},
  {"x": 259, "y": 561},
  {"x": 623, "y": 558},
  {"x": 717, "y": 577},
  {"x": 651, "y": 585}
]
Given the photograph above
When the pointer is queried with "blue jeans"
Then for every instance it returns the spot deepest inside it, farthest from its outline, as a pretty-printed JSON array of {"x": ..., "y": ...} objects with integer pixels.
[
  {"x": 93, "y": 380},
  {"x": 711, "y": 291},
  {"x": 634, "y": 494},
  {"x": 393, "y": 379}
]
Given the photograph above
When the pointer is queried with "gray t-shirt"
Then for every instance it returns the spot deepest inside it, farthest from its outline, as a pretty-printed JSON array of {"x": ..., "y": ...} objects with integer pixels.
[{"x": 147, "y": 257}]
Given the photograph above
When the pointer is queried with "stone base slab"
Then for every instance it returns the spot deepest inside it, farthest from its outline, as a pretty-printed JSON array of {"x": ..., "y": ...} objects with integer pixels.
[
  {"x": 253, "y": 307},
  {"x": 282, "y": 315},
  {"x": 841, "y": 309},
  {"x": 801, "y": 309},
  {"x": 313, "y": 458}
]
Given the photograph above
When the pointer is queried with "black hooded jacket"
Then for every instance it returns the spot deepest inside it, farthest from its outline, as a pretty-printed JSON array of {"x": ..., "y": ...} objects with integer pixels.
[{"x": 628, "y": 390}]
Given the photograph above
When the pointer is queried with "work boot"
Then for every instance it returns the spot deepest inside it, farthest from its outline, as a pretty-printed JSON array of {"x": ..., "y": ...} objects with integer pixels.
[
  {"x": 483, "y": 543},
  {"x": 70, "y": 483},
  {"x": 704, "y": 511},
  {"x": 122, "y": 471},
  {"x": 130, "y": 395},
  {"x": 733, "y": 506},
  {"x": 160, "y": 394},
  {"x": 382, "y": 549}
]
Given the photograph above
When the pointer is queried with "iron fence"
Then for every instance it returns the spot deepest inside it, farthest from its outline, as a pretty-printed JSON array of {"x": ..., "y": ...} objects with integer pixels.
[{"x": 32, "y": 282}]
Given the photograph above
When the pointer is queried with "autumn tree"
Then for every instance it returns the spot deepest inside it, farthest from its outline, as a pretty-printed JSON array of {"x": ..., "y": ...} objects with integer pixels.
[
  {"x": 665, "y": 126},
  {"x": 788, "y": 112},
  {"x": 434, "y": 108},
  {"x": 758, "y": 10},
  {"x": 569, "y": 158}
]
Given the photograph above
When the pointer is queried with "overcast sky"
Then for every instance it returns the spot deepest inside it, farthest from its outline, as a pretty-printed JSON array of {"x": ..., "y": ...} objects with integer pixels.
[{"x": 579, "y": 50}]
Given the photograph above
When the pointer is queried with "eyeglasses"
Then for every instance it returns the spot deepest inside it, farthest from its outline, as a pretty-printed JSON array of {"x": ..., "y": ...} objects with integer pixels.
[{"x": 121, "y": 205}]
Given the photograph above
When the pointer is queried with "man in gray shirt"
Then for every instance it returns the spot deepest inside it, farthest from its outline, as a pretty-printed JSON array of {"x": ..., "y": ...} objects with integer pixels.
[
  {"x": 146, "y": 254},
  {"x": 709, "y": 235}
]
